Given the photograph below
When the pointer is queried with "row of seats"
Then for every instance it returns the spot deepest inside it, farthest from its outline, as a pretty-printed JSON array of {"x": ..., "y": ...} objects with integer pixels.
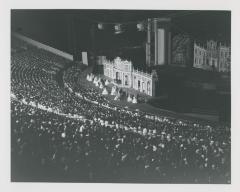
[{"x": 110, "y": 143}]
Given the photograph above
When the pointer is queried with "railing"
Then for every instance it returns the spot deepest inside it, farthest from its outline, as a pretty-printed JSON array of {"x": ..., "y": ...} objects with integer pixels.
[
  {"x": 142, "y": 73},
  {"x": 43, "y": 46}
]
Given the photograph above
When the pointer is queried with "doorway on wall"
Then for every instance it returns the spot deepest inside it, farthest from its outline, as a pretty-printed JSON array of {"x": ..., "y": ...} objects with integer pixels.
[
  {"x": 143, "y": 87},
  {"x": 126, "y": 80},
  {"x": 117, "y": 76},
  {"x": 139, "y": 85}
]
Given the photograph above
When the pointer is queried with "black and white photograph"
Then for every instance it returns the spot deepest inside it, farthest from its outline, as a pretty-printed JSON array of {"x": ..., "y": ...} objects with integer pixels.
[{"x": 119, "y": 96}]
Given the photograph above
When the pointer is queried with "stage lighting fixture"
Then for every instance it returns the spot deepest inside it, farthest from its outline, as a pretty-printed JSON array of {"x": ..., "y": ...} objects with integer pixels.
[
  {"x": 118, "y": 28},
  {"x": 100, "y": 26},
  {"x": 140, "y": 26}
]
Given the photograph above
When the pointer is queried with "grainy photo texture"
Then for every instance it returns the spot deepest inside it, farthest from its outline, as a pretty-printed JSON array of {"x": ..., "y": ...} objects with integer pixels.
[{"x": 121, "y": 96}]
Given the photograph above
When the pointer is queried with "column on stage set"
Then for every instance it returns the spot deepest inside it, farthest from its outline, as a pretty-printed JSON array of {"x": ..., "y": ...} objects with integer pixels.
[{"x": 162, "y": 41}]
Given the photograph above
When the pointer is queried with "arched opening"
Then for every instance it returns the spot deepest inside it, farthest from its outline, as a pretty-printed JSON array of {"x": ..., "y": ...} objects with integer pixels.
[
  {"x": 143, "y": 87},
  {"x": 117, "y": 76},
  {"x": 139, "y": 85},
  {"x": 126, "y": 80}
]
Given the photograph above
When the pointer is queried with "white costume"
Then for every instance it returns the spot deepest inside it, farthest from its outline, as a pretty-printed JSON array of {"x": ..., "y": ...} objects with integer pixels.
[
  {"x": 134, "y": 100},
  {"x": 129, "y": 99},
  {"x": 105, "y": 92}
]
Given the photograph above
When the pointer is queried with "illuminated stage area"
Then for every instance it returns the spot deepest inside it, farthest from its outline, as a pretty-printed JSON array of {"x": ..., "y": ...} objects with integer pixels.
[
  {"x": 124, "y": 99},
  {"x": 125, "y": 75}
]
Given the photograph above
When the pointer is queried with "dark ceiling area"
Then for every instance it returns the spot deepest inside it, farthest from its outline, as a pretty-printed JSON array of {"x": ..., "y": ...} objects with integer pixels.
[
  {"x": 54, "y": 27},
  {"x": 109, "y": 15}
]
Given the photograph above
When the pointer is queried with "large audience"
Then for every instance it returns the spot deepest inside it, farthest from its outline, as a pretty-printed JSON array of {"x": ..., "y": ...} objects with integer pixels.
[{"x": 73, "y": 133}]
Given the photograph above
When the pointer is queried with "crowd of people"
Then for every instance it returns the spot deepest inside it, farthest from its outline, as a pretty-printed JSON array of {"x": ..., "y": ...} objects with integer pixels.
[{"x": 50, "y": 142}]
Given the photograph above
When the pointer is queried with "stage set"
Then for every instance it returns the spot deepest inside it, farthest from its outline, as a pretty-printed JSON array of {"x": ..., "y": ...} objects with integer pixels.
[{"x": 122, "y": 74}]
